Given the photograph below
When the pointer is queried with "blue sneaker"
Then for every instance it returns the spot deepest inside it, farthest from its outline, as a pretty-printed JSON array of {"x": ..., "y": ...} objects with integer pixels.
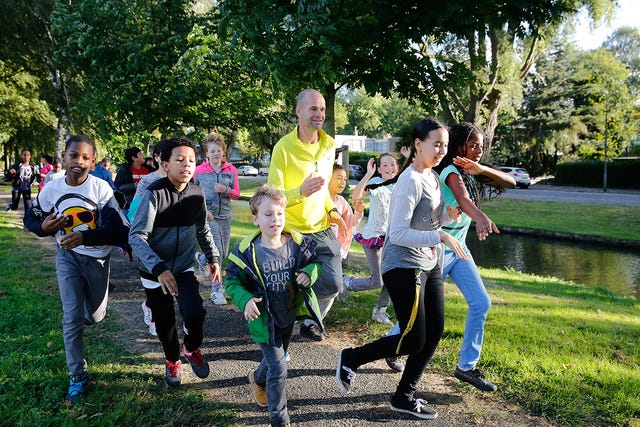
[{"x": 77, "y": 389}]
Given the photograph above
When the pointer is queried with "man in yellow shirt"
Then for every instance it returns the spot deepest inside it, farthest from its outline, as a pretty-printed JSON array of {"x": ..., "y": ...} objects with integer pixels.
[{"x": 301, "y": 166}]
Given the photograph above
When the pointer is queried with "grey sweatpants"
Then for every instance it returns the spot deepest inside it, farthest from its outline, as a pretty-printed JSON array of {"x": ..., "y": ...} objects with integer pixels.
[{"x": 84, "y": 290}]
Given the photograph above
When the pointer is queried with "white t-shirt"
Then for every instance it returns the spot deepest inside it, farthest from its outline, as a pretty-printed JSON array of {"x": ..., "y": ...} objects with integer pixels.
[{"x": 81, "y": 203}]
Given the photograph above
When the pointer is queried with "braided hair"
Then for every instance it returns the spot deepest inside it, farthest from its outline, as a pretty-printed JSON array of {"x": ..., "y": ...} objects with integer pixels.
[
  {"x": 420, "y": 131},
  {"x": 459, "y": 135}
]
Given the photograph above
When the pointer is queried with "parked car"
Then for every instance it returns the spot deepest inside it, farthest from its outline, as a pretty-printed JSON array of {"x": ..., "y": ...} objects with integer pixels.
[
  {"x": 519, "y": 174},
  {"x": 356, "y": 171},
  {"x": 245, "y": 170}
]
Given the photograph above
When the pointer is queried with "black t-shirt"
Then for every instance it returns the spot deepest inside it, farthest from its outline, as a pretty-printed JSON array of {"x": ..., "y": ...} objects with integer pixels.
[{"x": 277, "y": 268}]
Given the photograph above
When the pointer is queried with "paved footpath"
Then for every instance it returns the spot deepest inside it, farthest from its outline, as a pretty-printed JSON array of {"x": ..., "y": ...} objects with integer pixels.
[{"x": 313, "y": 397}]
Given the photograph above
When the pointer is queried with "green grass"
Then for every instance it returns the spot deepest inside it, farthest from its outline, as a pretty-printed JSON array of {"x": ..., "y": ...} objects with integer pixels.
[
  {"x": 560, "y": 350},
  {"x": 614, "y": 222},
  {"x": 33, "y": 374}
]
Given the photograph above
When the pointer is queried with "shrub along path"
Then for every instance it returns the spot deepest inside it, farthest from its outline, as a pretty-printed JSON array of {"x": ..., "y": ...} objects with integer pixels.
[{"x": 313, "y": 397}]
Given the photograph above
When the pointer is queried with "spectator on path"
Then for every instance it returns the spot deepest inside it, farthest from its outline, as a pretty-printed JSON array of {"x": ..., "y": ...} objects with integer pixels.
[
  {"x": 102, "y": 172},
  {"x": 83, "y": 214},
  {"x": 133, "y": 209},
  {"x": 269, "y": 278},
  {"x": 411, "y": 271},
  {"x": 45, "y": 168},
  {"x": 219, "y": 181},
  {"x": 301, "y": 166},
  {"x": 56, "y": 173},
  {"x": 22, "y": 174},
  {"x": 130, "y": 174},
  {"x": 171, "y": 217}
]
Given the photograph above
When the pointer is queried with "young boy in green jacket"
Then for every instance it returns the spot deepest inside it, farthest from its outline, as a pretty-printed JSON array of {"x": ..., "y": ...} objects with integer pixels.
[{"x": 269, "y": 278}]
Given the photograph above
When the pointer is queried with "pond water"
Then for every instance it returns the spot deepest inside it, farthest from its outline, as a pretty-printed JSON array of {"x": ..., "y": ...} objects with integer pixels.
[{"x": 591, "y": 265}]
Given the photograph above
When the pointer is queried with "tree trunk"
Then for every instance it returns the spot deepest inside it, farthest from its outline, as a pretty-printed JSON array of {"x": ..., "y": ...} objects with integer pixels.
[{"x": 330, "y": 118}]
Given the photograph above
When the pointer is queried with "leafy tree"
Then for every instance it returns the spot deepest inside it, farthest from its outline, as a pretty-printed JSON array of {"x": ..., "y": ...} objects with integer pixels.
[
  {"x": 33, "y": 99},
  {"x": 459, "y": 57},
  {"x": 624, "y": 43},
  {"x": 563, "y": 116}
]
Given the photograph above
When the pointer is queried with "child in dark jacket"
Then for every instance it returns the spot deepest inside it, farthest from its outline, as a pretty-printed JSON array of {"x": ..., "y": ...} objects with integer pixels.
[
  {"x": 171, "y": 217},
  {"x": 269, "y": 278},
  {"x": 83, "y": 214}
]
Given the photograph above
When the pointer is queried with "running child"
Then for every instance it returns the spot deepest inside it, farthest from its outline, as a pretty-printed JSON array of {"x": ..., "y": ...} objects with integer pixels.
[
  {"x": 269, "y": 278},
  {"x": 83, "y": 214},
  {"x": 171, "y": 217}
]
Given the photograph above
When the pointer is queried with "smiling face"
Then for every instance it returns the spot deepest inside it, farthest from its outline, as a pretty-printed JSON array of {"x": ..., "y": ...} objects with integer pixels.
[
  {"x": 431, "y": 150},
  {"x": 311, "y": 111},
  {"x": 180, "y": 166},
  {"x": 388, "y": 167},
  {"x": 78, "y": 159},
  {"x": 338, "y": 182},
  {"x": 270, "y": 218}
]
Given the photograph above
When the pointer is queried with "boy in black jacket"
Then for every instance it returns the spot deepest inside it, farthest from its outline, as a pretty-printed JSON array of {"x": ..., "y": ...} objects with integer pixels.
[{"x": 171, "y": 216}]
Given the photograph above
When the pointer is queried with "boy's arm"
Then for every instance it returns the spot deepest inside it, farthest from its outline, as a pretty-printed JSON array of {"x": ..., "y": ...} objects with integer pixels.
[
  {"x": 141, "y": 229},
  {"x": 112, "y": 230},
  {"x": 33, "y": 219},
  {"x": 313, "y": 270},
  {"x": 235, "y": 286}
]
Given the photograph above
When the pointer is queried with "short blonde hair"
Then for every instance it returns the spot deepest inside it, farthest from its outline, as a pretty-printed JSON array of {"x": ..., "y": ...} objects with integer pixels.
[{"x": 266, "y": 191}]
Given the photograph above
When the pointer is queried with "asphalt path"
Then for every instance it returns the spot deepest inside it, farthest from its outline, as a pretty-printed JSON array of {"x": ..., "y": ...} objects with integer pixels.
[
  {"x": 549, "y": 193},
  {"x": 313, "y": 396}
]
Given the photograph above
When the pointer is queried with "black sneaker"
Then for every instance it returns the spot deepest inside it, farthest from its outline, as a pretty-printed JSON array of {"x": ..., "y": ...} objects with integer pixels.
[
  {"x": 416, "y": 407},
  {"x": 344, "y": 375},
  {"x": 311, "y": 331},
  {"x": 475, "y": 377},
  {"x": 395, "y": 363}
]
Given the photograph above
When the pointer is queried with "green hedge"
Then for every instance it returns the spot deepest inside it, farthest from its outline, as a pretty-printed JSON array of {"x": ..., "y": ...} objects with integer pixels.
[
  {"x": 362, "y": 157},
  {"x": 589, "y": 173}
]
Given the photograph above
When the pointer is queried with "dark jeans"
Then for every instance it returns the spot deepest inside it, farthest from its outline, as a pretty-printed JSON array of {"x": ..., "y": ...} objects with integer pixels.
[
  {"x": 421, "y": 326},
  {"x": 15, "y": 198},
  {"x": 191, "y": 310},
  {"x": 272, "y": 374}
]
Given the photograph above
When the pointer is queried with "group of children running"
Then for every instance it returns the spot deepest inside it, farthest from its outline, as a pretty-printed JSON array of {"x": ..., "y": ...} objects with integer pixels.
[{"x": 271, "y": 272}]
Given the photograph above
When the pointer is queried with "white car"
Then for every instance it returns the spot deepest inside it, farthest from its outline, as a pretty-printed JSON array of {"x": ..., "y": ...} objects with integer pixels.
[
  {"x": 245, "y": 170},
  {"x": 519, "y": 174}
]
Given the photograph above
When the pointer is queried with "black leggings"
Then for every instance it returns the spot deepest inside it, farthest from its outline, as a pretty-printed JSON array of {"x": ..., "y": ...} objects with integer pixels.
[
  {"x": 418, "y": 300},
  {"x": 15, "y": 199},
  {"x": 191, "y": 310}
]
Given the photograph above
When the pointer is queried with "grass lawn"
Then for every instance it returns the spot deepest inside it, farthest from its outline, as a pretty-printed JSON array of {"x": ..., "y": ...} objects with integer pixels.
[{"x": 563, "y": 351}]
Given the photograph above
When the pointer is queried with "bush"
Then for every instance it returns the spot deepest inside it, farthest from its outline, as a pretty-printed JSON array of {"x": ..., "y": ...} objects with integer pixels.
[
  {"x": 589, "y": 173},
  {"x": 362, "y": 157}
]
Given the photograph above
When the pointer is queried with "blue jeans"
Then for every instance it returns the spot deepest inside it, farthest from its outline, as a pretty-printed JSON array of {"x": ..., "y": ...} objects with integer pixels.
[
  {"x": 467, "y": 278},
  {"x": 272, "y": 374},
  {"x": 84, "y": 289}
]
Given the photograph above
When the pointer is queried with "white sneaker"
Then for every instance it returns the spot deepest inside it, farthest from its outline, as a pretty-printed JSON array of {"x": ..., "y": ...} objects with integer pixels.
[
  {"x": 146, "y": 311},
  {"x": 201, "y": 263},
  {"x": 152, "y": 329},
  {"x": 217, "y": 296},
  {"x": 381, "y": 316}
]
